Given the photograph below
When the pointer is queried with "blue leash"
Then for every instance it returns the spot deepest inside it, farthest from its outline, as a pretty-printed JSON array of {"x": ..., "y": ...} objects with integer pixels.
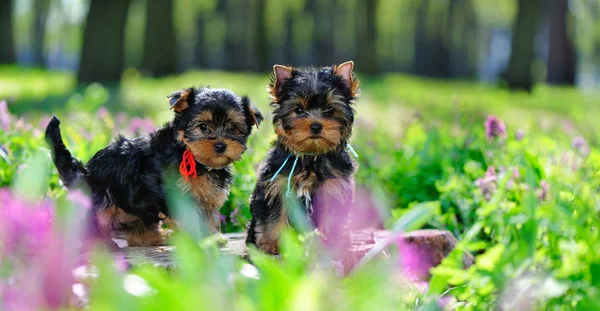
[
  {"x": 288, "y": 192},
  {"x": 349, "y": 147}
]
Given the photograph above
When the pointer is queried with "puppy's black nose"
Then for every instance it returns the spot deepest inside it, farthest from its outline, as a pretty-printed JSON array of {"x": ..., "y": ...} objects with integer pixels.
[
  {"x": 316, "y": 128},
  {"x": 220, "y": 147}
]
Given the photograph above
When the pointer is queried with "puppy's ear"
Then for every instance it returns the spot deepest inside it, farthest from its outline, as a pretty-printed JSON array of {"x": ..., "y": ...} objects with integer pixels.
[
  {"x": 278, "y": 77},
  {"x": 346, "y": 72},
  {"x": 253, "y": 115},
  {"x": 181, "y": 100}
]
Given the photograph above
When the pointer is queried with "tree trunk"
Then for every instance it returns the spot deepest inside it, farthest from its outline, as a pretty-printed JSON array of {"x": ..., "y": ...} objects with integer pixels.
[
  {"x": 102, "y": 53},
  {"x": 40, "y": 13},
  {"x": 323, "y": 32},
  {"x": 200, "y": 52},
  {"x": 7, "y": 47},
  {"x": 518, "y": 73},
  {"x": 366, "y": 43},
  {"x": 562, "y": 61},
  {"x": 288, "y": 46},
  {"x": 462, "y": 38},
  {"x": 261, "y": 42},
  {"x": 160, "y": 44},
  {"x": 235, "y": 32},
  {"x": 432, "y": 41}
]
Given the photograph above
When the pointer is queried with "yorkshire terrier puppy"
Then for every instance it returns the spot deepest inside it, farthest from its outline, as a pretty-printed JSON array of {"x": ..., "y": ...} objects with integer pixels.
[
  {"x": 127, "y": 178},
  {"x": 309, "y": 161}
]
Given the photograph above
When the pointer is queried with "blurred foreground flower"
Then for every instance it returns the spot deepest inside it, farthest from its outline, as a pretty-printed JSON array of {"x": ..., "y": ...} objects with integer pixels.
[
  {"x": 37, "y": 254},
  {"x": 494, "y": 128},
  {"x": 141, "y": 126},
  {"x": 542, "y": 192},
  {"x": 581, "y": 145},
  {"x": 26, "y": 226},
  {"x": 4, "y": 116},
  {"x": 414, "y": 262},
  {"x": 487, "y": 183},
  {"x": 519, "y": 134},
  {"x": 102, "y": 113}
]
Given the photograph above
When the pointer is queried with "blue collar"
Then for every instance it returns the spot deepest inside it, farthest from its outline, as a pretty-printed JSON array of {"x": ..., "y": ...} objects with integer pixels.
[{"x": 288, "y": 192}]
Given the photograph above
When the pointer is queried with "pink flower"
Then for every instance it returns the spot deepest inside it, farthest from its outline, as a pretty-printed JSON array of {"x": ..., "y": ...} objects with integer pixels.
[
  {"x": 234, "y": 213},
  {"x": 121, "y": 119},
  {"x": 102, "y": 113},
  {"x": 43, "y": 123},
  {"x": 79, "y": 199},
  {"x": 542, "y": 192},
  {"x": 5, "y": 116},
  {"x": 39, "y": 254},
  {"x": 26, "y": 227},
  {"x": 222, "y": 218},
  {"x": 336, "y": 214},
  {"x": 519, "y": 134},
  {"x": 516, "y": 174},
  {"x": 581, "y": 145},
  {"x": 494, "y": 128},
  {"x": 138, "y": 125},
  {"x": 487, "y": 184}
]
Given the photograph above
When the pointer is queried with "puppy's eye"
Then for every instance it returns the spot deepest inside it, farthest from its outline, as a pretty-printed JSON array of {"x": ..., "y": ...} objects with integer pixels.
[
  {"x": 238, "y": 131},
  {"x": 328, "y": 110},
  {"x": 299, "y": 110},
  {"x": 203, "y": 127}
]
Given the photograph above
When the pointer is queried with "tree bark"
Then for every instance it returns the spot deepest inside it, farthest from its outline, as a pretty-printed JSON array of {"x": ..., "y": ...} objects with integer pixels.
[
  {"x": 200, "y": 53},
  {"x": 366, "y": 45},
  {"x": 288, "y": 46},
  {"x": 323, "y": 32},
  {"x": 102, "y": 53},
  {"x": 40, "y": 13},
  {"x": 562, "y": 61},
  {"x": 261, "y": 42},
  {"x": 518, "y": 73},
  {"x": 235, "y": 35},
  {"x": 7, "y": 47},
  {"x": 160, "y": 44},
  {"x": 432, "y": 43},
  {"x": 462, "y": 38}
]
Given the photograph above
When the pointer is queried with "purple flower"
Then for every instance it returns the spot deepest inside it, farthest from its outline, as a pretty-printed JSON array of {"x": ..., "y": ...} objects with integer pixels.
[
  {"x": 415, "y": 260},
  {"x": 102, "y": 113},
  {"x": 21, "y": 125},
  {"x": 43, "y": 123},
  {"x": 121, "y": 119},
  {"x": 41, "y": 257},
  {"x": 79, "y": 199},
  {"x": 542, "y": 192},
  {"x": 519, "y": 134},
  {"x": 516, "y": 174},
  {"x": 494, "y": 128},
  {"x": 234, "y": 213},
  {"x": 4, "y": 116},
  {"x": 581, "y": 145},
  {"x": 222, "y": 218},
  {"x": 487, "y": 184},
  {"x": 138, "y": 125},
  {"x": 25, "y": 226}
]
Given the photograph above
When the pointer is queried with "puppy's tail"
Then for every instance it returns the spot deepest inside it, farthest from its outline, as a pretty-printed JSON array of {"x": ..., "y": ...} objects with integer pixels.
[{"x": 69, "y": 169}]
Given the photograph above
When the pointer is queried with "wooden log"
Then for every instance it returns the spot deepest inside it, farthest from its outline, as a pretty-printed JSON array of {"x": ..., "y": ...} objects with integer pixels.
[{"x": 429, "y": 246}]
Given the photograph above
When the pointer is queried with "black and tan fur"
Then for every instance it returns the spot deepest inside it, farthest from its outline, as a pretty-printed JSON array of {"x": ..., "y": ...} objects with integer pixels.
[
  {"x": 313, "y": 118},
  {"x": 127, "y": 178}
]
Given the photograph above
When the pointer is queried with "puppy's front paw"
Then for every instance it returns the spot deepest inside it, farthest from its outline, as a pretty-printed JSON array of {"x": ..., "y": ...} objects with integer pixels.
[
  {"x": 221, "y": 239},
  {"x": 269, "y": 248}
]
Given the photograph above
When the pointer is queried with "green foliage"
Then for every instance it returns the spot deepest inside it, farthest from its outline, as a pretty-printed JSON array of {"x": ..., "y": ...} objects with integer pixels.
[{"x": 526, "y": 208}]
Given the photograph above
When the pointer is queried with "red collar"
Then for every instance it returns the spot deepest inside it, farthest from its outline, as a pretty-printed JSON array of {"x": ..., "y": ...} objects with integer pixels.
[{"x": 187, "y": 167}]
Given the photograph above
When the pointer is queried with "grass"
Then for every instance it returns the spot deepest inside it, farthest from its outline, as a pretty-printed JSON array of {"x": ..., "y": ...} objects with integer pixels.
[{"x": 523, "y": 202}]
